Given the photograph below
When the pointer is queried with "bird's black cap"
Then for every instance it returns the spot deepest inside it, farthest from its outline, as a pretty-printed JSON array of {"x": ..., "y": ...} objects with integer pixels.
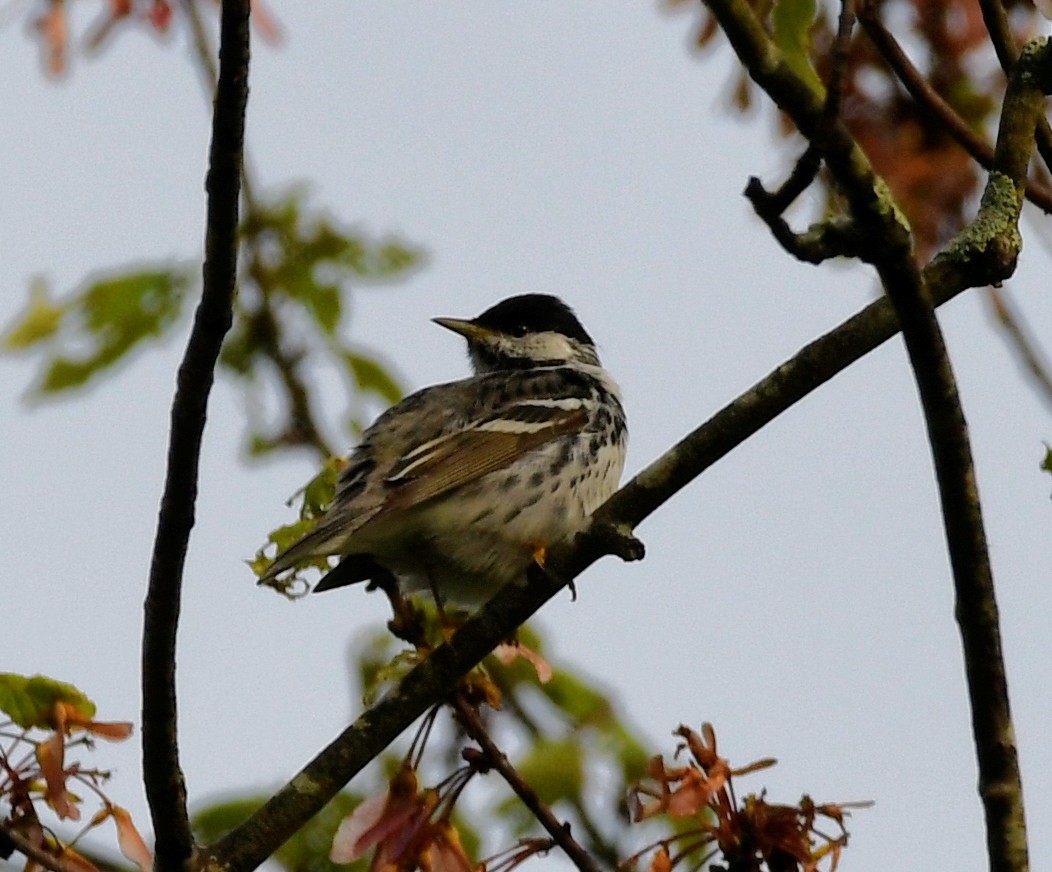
[{"x": 533, "y": 313}]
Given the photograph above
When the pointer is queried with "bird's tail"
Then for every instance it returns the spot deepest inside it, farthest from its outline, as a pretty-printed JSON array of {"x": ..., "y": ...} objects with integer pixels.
[{"x": 319, "y": 542}]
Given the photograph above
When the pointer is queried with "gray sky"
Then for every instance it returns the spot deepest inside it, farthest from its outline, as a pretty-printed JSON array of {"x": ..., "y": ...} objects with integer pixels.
[{"x": 798, "y": 595}]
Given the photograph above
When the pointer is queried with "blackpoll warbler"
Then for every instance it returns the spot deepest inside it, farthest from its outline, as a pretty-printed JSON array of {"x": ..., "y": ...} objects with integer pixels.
[{"x": 458, "y": 488}]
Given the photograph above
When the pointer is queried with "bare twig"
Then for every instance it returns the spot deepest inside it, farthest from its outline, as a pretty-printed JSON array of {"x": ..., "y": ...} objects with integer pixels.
[
  {"x": 835, "y": 236},
  {"x": 921, "y": 90},
  {"x": 996, "y": 20},
  {"x": 37, "y": 854},
  {"x": 839, "y": 57},
  {"x": 1025, "y": 346},
  {"x": 302, "y": 427},
  {"x": 560, "y": 832},
  {"x": 599, "y": 844},
  {"x": 165, "y": 788},
  {"x": 206, "y": 62}
]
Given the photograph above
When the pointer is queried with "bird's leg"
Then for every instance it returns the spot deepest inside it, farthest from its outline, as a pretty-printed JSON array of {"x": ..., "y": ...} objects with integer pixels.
[
  {"x": 446, "y": 624},
  {"x": 540, "y": 554},
  {"x": 406, "y": 622}
]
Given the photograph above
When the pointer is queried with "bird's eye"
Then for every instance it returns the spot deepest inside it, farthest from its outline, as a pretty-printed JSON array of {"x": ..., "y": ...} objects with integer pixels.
[{"x": 519, "y": 330}]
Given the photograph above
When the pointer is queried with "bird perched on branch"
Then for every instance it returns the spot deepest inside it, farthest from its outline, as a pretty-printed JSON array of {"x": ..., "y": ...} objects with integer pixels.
[{"x": 458, "y": 488}]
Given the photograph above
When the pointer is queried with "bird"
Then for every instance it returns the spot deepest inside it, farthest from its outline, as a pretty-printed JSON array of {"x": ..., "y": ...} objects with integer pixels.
[{"x": 461, "y": 486}]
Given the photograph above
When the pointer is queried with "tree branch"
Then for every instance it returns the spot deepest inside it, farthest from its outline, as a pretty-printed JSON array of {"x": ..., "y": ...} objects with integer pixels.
[
  {"x": 1026, "y": 347},
  {"x": 560, "y": 832},
  {"x": 165, "y": 787},
  {"x": 1000, "y": 786},
  {"x": 322, "y": 778},
  {"x": 985, "y": 252},
  {"x": 988, "y": 246}
]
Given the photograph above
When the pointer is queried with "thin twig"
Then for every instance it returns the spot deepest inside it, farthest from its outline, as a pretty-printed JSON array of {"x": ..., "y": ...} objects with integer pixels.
[
  {"x": 1026, "y": 347},
  {"x": 206, "y": 62},
  {"x": 165, "y": 788},
  {"x": 997, "y": 25},
  {"x": 302, "y": 427},
  {"x": 924, "y": 94},
  {"x": 839, "y": 59},
  {"x": 920, "y": 88},
  {"x": 37, "y": 854},
  {"x": 830, "y": 238},
  {"x": 599, "y": 844},
  {"x": 498, "y": 760}
]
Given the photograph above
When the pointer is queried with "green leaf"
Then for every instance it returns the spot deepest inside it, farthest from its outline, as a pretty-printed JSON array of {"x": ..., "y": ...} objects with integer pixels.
[
  {"x": 393, "y": 258},
  {"x": 214, "y": 821},
  {"x": 631, "y": 753},
  {"x": 314, "y": 496},
  {"x": 581, "y": 703},
  {"x": 108, "y": 319},
  {"x": 323, "y": 302},
  {"x": 555, "y": 769},
  {"x": 370, "y": 375},
  {"x": 30, "y": 702},
  {"x": 792, "y": 21},
  {"x": 239, "y": 351},
  {"x": 319, "y": 491},
  {"x": 469, "y": 835},
  {"x": 1046, "y": 464},
  {"x": 39, "y": 321}
]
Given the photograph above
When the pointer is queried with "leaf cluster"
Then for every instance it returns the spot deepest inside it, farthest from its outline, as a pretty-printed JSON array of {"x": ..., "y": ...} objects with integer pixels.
[
  {"x": 298, "y": 269},
  {"x": 48, "y": 719},
  {"x": 83, "y": 334}
]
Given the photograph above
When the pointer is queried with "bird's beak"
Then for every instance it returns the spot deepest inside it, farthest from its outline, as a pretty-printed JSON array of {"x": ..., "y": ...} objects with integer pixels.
[{"x": 468, "y": 329}]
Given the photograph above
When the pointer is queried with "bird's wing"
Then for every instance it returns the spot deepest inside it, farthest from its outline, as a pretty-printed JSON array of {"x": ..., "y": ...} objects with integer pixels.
[
  {"x": 433, "y": 441},
  {"x": 455, "y": 459}
]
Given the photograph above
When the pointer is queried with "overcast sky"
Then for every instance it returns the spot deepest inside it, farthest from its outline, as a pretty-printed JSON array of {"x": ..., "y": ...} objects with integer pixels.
[{"x": 798, "y": 595}]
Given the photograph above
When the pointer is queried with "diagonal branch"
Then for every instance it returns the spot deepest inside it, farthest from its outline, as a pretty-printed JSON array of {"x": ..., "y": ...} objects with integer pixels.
[
  {"x": 165, "y": 788},
  {"x": 247, "y": 846},
  {"x": 1025, "y": 346}
]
